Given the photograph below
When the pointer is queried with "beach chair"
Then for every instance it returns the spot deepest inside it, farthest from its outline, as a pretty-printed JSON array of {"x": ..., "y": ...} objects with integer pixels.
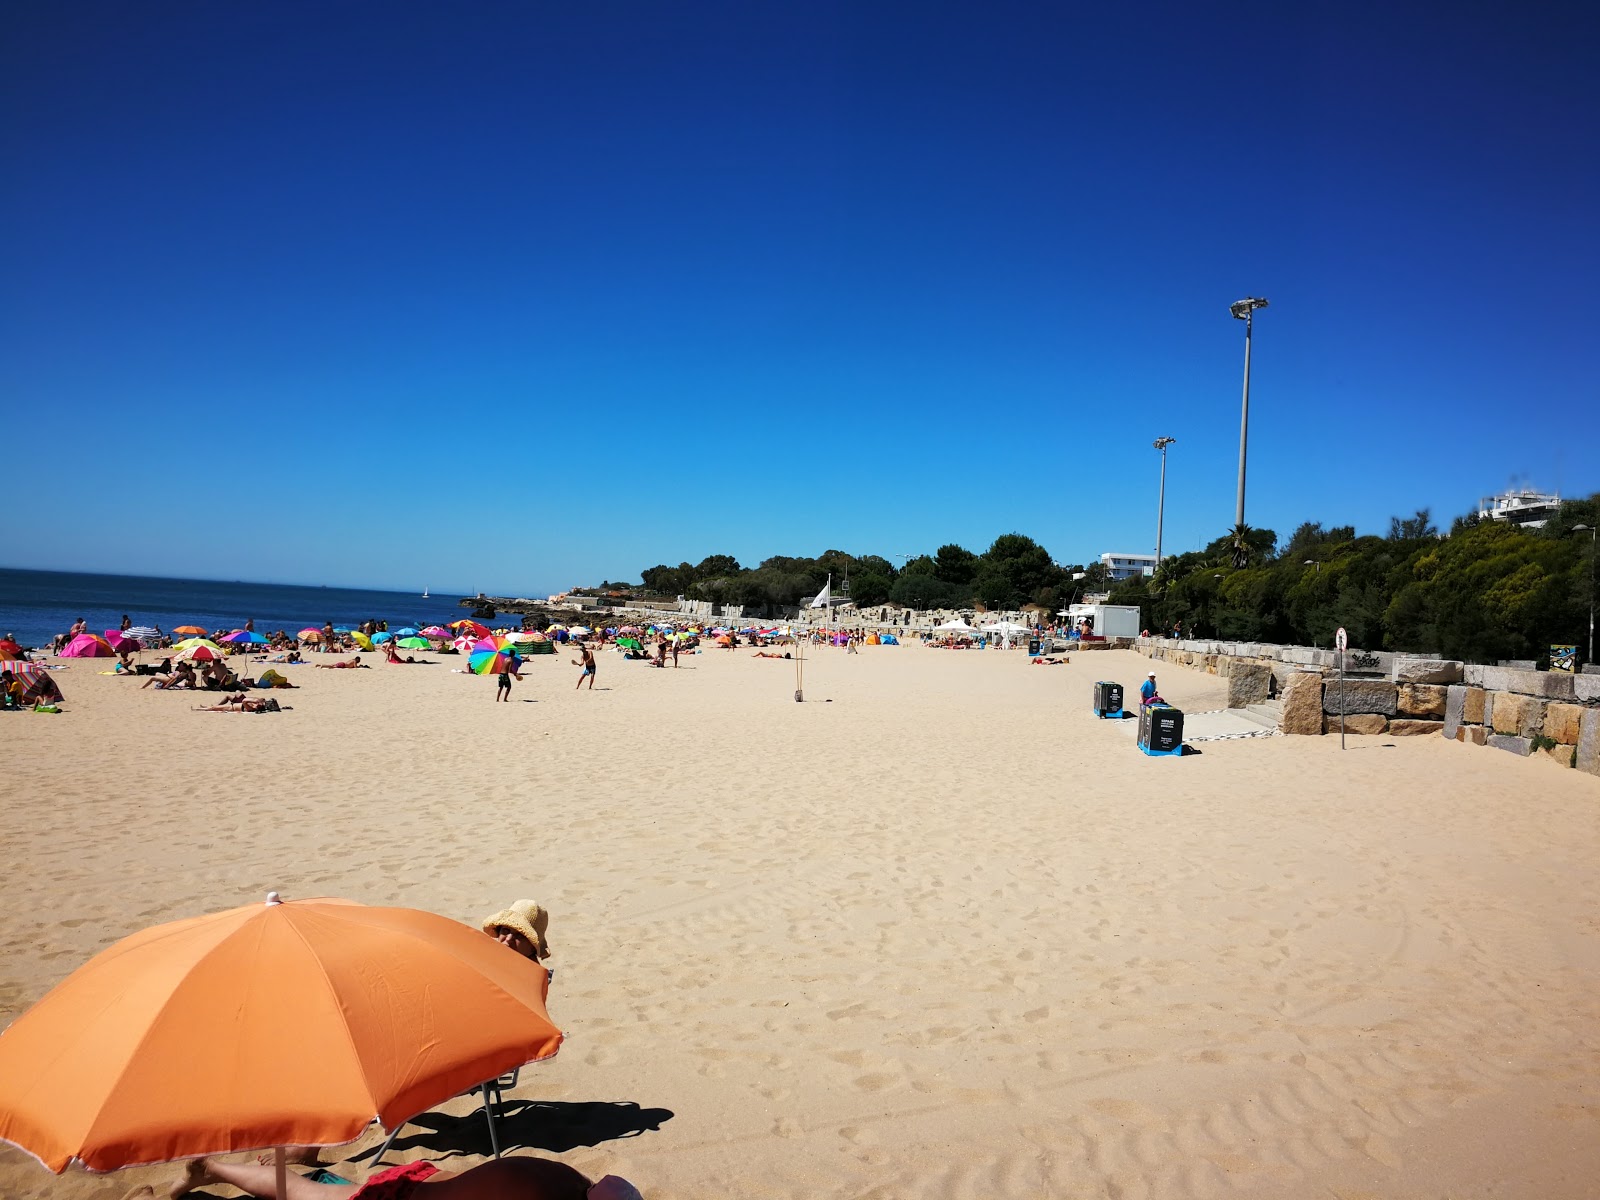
[{"x": 492, "y": 1091}]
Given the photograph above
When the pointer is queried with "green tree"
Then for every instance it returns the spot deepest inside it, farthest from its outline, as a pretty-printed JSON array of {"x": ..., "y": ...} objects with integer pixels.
[{"x": 955, "y": 564}]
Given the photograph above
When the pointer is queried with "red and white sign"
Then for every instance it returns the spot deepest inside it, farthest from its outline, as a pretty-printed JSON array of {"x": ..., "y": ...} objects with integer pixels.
[{"x": 1341, "y": 640}]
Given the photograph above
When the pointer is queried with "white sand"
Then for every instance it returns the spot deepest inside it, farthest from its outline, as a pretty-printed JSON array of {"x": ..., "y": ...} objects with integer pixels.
[{"x": 945, "y": 936}]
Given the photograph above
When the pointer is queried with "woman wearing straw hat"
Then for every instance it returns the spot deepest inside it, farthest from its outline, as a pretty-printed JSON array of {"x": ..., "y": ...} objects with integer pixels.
[{"x": 521, "y": 927}]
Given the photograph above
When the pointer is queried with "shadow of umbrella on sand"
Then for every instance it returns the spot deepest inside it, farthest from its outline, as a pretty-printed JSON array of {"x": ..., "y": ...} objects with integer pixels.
[{"x": 270, "y": 1025}]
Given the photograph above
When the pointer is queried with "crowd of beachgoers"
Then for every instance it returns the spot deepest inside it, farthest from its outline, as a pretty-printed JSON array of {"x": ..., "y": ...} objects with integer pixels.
[{"x": 234, "y": 661}]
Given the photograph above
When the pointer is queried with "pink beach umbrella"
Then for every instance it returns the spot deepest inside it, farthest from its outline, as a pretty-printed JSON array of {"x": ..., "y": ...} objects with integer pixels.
[
  {"x": 121, "y": 643},
  {"x": 435, "y": 631},
  {"x": 88, "y": 645}
]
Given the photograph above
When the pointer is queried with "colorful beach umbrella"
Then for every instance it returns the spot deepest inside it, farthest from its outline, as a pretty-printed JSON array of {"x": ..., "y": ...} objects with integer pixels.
[
  {"x": 471, "y": 627},
  {"x": 408, "y": 631},
  {"x": 88, "y": 645},
  {"x": 464, "y": 644},
  {"x": 492, "y": 662},
  {"x": 364, "y": 641},
  {"x": 119, "y": 642},
  {"x": 245, "y": 637},
  {"x": 283, "y": 1023},
  {"x": 36, "y": 681},
  {"x": 436, "y": 631},
  {"x": 198, "y": 650},
  {"x": 414, "y": 643}
]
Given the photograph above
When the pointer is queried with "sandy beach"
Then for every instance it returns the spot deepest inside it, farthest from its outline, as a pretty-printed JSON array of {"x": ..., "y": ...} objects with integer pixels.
[{"x": 936, "y": 933}]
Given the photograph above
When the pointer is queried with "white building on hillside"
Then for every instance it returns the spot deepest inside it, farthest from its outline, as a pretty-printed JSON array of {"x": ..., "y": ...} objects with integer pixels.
[
  {"x": 1128, "y": 566},
  {"x": 1521, "y": 507}
]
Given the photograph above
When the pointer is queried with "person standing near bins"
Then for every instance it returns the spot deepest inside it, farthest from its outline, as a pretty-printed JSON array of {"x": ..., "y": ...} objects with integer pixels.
[{"x": 1147, "y": 692}]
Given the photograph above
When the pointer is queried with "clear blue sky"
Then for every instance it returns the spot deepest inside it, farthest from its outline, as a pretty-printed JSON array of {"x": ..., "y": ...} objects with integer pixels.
[{"x": 523, "y": 295}]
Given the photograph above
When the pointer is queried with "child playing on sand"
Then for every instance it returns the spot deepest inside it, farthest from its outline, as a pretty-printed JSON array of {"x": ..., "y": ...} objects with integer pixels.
[
  {"x": 587, "y": 663},
  {"x": 503, "y": 692}
]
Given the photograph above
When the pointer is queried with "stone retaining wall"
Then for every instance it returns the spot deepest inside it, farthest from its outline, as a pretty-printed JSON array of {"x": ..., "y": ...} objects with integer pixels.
[{"x": 1533, "y": 714}]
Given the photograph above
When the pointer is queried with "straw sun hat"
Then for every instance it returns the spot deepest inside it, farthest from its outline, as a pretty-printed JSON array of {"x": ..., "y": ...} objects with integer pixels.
[{"x": 528, "y": 919}]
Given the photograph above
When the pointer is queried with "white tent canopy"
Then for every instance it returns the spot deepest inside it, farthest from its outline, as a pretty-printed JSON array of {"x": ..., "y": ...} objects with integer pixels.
[
  {"x": 1005, "y": 627},
  {"x": 959, "y": 625}
]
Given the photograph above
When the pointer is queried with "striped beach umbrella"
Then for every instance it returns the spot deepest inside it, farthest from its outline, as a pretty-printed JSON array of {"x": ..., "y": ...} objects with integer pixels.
[
  {"x": 148, "y": 635},
  {"x": 36, "y": 681},
  {"x": 245, "y": 637}
]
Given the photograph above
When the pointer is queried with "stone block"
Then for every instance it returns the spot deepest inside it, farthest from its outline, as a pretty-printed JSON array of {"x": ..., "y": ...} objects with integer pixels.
[
  {"x": 1408, "y": 728},
  {"x": 1359, "y": 696},
  {"x": 1561, "y": 722},
  {"x": 1425, "y": 670},
  {"x": 1506, "y": 741},
  {"x": 1586, "y": 688},
  {"x": 1560, "y": 755},
  {"x": 1367, "y": 663},
  {"x": 1509, "y": 712},
  {"x": 1472, "y": 712},
  {"x": 1552, "y": 685},
  {"x": 1519, "y": 664},
  {"x": 1420, "y": 700},
  {"x": 1477, "y": 735},
  {"x": 1588, "y": 756},
  {"x": 1249, "y": 683},
  {"x": 1365, "y": 723},
  {"x": 1302, "y": 704},
  {"x": 1455, "y": 703}
]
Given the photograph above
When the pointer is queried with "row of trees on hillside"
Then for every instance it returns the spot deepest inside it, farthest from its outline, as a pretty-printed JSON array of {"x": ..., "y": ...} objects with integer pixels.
[
  {"x": 1486, "y": 591},
  {"x": 1013, "y": 571}
]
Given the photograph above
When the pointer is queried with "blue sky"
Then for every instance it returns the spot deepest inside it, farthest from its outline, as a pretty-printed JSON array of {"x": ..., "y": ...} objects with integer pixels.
[{"x": 527, "y": 295}]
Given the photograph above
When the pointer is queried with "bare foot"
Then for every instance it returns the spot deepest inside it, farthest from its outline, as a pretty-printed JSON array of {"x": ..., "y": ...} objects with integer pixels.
[{"x": 194, "y": 1175}]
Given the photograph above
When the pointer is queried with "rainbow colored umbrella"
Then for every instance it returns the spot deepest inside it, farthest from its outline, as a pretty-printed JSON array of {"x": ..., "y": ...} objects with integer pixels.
[
  {"x": 244, "y": 637},
  {"x": 36, "y": 681},
  {"x": 492, "y": 662},
  {"x": 88, "y": 645}
]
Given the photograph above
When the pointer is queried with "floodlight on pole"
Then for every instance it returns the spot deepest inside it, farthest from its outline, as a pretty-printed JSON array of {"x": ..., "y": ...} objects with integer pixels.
[
  {"x": 1244, "y": 310},
  {"x": 1161, "y": 444}
]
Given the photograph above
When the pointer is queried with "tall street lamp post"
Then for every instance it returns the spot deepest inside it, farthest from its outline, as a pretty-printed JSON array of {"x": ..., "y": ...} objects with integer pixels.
[
  {"x": 1161, "y": 444},
  {"x": 1244, "y": 310},
  {"x": 1590, "y": 530}
]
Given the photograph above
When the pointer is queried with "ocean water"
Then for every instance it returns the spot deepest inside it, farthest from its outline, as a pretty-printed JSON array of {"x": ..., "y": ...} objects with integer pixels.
[{"x": 37, "y": 605}]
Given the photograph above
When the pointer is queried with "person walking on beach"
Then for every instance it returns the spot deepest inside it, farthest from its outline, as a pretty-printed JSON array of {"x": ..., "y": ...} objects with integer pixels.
[
  {"x": 503, "y": 692},
  {"x": 677, "y": 644},
  {"x": 587, "y": 663}
]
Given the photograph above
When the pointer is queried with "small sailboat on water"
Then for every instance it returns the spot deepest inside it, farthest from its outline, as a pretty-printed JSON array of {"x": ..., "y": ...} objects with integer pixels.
[{"x": 424, "y": 593}]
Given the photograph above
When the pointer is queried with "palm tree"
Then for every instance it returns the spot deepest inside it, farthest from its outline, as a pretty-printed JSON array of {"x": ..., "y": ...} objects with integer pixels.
[{"x": 1241, "y": 546}]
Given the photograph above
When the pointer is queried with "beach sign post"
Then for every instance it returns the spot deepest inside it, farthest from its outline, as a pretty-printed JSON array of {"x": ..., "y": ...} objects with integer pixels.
[{"x": 1341, "y": 642}]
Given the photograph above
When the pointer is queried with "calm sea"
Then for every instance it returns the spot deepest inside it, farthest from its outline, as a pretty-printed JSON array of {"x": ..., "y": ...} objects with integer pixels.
[{"x": 37, "y": 605}]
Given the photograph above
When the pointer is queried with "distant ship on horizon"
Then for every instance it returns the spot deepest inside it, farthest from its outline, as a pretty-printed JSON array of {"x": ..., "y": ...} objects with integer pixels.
[{"x": 424, "y": 593}]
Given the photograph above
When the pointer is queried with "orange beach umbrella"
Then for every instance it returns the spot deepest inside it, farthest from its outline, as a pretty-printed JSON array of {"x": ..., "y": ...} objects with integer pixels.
[{"x": 275, "y": 1024}]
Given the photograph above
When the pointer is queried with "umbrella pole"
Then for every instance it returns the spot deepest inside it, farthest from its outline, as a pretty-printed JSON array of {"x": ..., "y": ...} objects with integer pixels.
[{"x": 280, "y": 1167}]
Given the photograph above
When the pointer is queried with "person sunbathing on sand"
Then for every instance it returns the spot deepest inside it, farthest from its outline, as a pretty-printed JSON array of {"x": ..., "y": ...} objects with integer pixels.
[
  {"x": 522, "y": 1178},
  {"x": 764, "y": 654},
  {"x": 182, "y": 676},
  {"x": 242, "y": 703},
  {"x": 342, "y": 664}
]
